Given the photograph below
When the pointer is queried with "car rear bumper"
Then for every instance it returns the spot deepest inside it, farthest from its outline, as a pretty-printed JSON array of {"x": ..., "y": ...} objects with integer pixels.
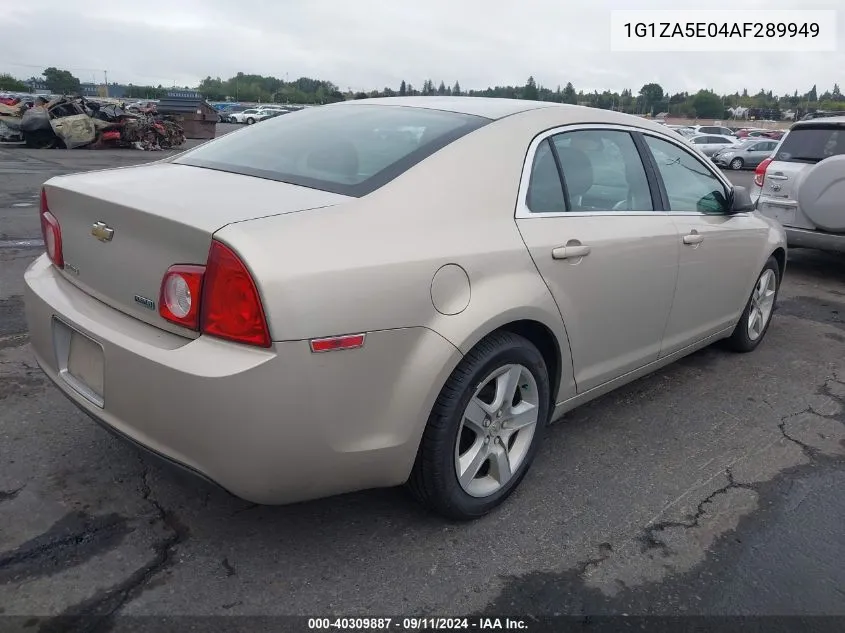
[
  {"x": 803, "y": 238},
  {"x": 271, "y": 426}
]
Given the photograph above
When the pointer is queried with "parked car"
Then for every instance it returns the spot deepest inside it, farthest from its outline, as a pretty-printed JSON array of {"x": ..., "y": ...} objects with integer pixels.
[
  {"x": 774, "y": 134},
  {"x": 274, "y": 112},
  {"x": 249, "y": 116},
  {"x": 333, "y": 335},
  {"x": 803, "y": 185},
  {"x": 746, "y": 155},
  {"x": 709, "y": 144},
  {"x": 225, "y": 111},
  {"x": 719, "y": 130},
  {"x": 683, "y": 130}
]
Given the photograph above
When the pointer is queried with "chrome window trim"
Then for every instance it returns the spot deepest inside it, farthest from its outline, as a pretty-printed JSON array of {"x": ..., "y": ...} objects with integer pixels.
[{"x": 523, "y": 212}]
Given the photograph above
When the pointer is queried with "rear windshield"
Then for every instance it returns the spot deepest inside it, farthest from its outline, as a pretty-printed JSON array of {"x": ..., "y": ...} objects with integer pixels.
[
  {"x": 812, "y": 144},
  {"x": 346, "y": 149}
]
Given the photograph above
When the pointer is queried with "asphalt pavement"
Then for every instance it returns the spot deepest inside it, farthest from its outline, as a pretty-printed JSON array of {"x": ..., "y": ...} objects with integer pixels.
[{"x": 715, "y": 486}]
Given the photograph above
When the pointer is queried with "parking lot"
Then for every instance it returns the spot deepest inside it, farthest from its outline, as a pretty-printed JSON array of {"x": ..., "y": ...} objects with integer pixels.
[{"x": 713, "y": 486}]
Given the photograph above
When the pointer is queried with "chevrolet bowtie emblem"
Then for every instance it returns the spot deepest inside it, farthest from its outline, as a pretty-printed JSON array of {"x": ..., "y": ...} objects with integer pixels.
[{"x": 102, "y": 231}]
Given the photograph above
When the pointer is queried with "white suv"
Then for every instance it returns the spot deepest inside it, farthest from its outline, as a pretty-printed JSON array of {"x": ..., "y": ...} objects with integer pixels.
[{"x": 802, "y": 185}]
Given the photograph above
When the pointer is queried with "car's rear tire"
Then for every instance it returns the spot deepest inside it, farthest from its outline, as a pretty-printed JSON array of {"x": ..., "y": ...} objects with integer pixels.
[
  {"x": 757, "y": 316},
  {"x": 737, "y": 164},
  {"x": 250, "y": 121},
  {"x": 477, "y": 446}
]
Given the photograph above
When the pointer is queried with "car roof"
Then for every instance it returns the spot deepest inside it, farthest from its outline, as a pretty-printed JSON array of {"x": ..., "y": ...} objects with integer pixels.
[
  {"x": 488, "y": 107},
  {"x": 499, "y": 108},
  {"x": 835, "y": 120}
]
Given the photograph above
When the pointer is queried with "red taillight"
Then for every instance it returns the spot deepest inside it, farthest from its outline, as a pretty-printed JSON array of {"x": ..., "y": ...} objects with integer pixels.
[
  {"x": 760, "y": 172},
  {"x": 181, "y": 291},
  {"x": 231, "y": 308},
  {"x": 52, "y": 233}
]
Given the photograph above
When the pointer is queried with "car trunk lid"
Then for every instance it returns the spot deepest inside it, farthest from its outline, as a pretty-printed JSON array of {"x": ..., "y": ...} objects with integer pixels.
[{"x": 123, "y": 228}]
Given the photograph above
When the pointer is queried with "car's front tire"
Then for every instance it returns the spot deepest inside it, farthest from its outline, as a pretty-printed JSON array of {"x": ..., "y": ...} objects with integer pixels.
[
  {"x": 737, "y": 164},
  {"x": 250, "y": 121},
  {"x": 755, "y": 319},
  {"x": 484, "y": 430}
]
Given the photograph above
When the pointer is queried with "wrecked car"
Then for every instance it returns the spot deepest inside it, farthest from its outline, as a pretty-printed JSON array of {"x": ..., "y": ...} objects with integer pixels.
[{"x": 76, "y": 122}]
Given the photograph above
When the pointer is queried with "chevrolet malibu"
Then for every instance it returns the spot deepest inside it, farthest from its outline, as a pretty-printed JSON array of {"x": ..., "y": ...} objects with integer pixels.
[{"x": 390, "y": 291}]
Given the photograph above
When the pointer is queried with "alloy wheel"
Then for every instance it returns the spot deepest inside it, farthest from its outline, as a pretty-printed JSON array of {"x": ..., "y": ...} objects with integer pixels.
[
  {"x": 496, "y": 430},
  {"x": 762, "y": 303}
]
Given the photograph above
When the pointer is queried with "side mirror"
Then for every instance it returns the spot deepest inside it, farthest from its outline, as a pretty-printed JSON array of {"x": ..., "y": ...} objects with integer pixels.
[{"x": 741, "y": 200}]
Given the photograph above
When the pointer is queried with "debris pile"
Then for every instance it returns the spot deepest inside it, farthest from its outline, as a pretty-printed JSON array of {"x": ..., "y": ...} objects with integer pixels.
[{"x": 77, "y": 122}]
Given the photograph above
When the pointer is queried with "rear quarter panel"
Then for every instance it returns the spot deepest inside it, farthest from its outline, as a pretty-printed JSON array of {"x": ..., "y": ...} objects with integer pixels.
[{"x": 369, "y": 264}]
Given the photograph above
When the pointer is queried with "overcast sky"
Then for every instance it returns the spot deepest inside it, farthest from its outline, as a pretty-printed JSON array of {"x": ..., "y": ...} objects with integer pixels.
[{"x": 368, "y": 44}]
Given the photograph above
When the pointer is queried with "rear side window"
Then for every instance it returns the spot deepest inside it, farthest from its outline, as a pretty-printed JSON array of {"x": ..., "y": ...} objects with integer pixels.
[
  {"x": 603, "y": 171},
  {"x": 545, "y": 191},
  {"x": 812, "y": 144},
  {"x": 346, "y": 149}
]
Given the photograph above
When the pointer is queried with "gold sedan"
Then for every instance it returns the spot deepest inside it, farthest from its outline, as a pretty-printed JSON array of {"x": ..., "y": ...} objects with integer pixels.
[{"x": 390, "y": 291}]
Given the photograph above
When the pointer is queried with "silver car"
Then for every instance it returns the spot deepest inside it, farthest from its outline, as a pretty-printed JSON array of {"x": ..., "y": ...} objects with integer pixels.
[
  {"x": 390, "y": 291},
  {"x": 747, "y": 155},
  {"x": 709, "y": 144},
  {"x": 803, "y": 185}
]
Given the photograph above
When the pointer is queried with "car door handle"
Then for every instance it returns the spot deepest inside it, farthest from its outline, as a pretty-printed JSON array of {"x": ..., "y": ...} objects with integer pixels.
[
  {"x": 571, "y": 252},
  {"x": 778, "y": 177},
  {"x": 693, "y": 238}
]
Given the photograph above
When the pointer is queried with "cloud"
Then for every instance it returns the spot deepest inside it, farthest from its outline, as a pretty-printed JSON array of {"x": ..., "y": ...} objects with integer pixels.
[{"x": 368, "y": 44}]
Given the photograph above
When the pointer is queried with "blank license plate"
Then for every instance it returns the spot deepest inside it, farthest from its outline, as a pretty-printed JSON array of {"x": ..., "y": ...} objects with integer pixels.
[
  {"x": 81, "y": 362},
  {"x": 85, "y": 362}
]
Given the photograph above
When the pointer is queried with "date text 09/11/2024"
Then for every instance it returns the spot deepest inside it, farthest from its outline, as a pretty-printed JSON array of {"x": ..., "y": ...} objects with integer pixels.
[
  {"x": 416, "y": 624},
  {"x": 724, "y": 29}
]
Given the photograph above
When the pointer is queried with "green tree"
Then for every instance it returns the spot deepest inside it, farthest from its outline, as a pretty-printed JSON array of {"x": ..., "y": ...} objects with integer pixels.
[
  {"x": 813, "y": 95},
  {"x": 530, "y": 90},
  {"x": 7, "y": 82},
  {"x": 212, "y": 89},
  {"x": 403, "y": 89},
  {"x": 60, "y": 81},
  {"x": 708, "y": 105},
  {"x": 837, "y": 95},
  {"x": 651, "y": 95},
  {"x": 456, "y": 89},
  {"x": 569, "y": 95},
  {"x": 441, "y": 89}
]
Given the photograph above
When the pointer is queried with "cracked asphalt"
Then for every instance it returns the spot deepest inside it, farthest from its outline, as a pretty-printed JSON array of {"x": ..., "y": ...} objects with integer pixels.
[{"x": 715, "y": 486}]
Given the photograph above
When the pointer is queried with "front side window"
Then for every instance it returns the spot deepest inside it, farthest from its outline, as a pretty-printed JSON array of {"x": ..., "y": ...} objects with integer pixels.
[
  {"x": 602, "y": 171},
  {"x": 346, "y": 149},
  {"x": 690, "y": 185}
]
